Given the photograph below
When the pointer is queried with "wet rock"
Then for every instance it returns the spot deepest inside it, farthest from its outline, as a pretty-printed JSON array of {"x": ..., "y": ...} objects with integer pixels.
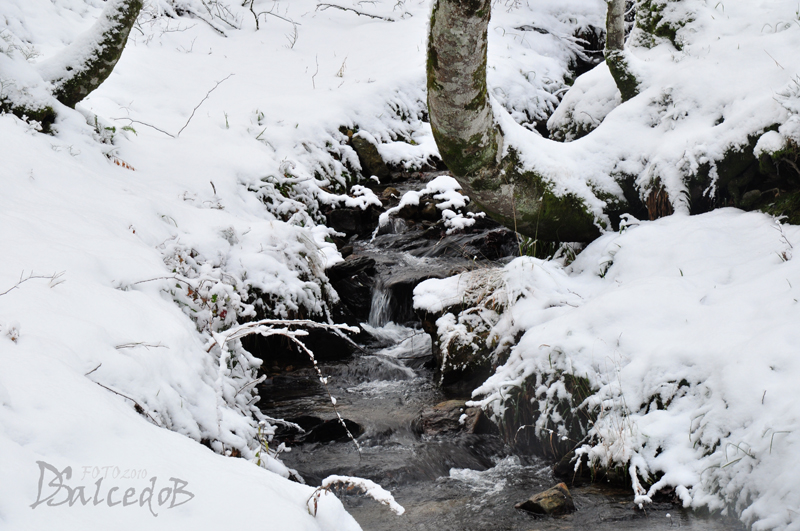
[
  {"x": 441, "y": 418},
  {"x": 332, "y": 430},
  {"x": 349, "y": 268},
  {"x": 408, "y": 212},
  {"x": 390, "y": 194},
  {"x": 430, "y": 212},
  {"x": 290, "y": 434},
  {"x": 478, "y": 422},
  {"x": 353, "y": 281},
  {"x": 400, "y": 291},
  {"x": 326, "y": 345},
  {"x": 354, "y": 221},
  {"x": 446, "y": 417},
  {"x": 553, "y": 501},
  {"x": 368, "y": 156},
  {"x": 567, "y": 470}
]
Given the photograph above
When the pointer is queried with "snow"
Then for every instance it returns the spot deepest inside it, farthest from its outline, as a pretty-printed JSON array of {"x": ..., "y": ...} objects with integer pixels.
[
  {"x": 191, "y": 180},
  {"x": 369, "y": 488},
  {"x": 697, "y": 314},
  {"x": 444, "y": 190}
]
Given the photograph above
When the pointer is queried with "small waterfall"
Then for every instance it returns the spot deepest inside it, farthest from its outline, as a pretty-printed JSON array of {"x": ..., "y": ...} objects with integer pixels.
[{"x": 380, "y": 310}]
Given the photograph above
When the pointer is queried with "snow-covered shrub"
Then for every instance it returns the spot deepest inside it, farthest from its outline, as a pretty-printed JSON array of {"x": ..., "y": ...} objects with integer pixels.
[
  {"x": 450, "y": 204},
  {"x": 653, "y": 358}
]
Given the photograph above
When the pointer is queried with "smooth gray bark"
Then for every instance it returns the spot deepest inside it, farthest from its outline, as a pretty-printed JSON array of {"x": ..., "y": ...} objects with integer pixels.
[
  {"x": 615, "y": 50},
  {"x": 471, "y": 144}
]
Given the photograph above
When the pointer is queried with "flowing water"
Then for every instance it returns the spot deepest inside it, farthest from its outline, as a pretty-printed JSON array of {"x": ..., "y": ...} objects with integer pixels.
[{"x": 450, "y": 482}]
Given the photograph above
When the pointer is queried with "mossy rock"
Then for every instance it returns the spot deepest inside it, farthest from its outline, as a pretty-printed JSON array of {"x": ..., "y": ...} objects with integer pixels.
[
  {"x": 650, "y": 19},
  {"x": 522, "y": 412},
  {"x": 45, "y": 114},
  {"x": 371, "y": 161}
]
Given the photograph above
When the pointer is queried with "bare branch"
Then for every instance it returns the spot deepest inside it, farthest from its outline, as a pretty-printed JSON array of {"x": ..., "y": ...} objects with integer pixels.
[
  {"x": 141, "y": 344},
  {"x": 131, "y": 120},
  {"x": 201, "y": 102},
  {"x": 138, "y": 406},
  {"x": 323, "y": 7},
  {"x": 55, "y": 280}
]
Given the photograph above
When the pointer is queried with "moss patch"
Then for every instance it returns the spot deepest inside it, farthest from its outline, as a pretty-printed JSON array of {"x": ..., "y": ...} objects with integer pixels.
[
  {"x": 650, "y": 19},
  {"x": 45, "y": 115}
]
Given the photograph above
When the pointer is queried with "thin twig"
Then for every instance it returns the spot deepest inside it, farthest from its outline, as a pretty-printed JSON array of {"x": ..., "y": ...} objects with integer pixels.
[
  {"x": 54, "y": 280},
  {"x": 776, "y": 61},
  {"x": 256, "y": 15},
  {"x": 212, "y": 26},
  {"x": 140, "y": 410},
  {"x": 140, "y": 344},
  {"x": 313, "y": 83},
  {"x": 131, "y": 120},
  {"x": 146, "y": 124},
  {"x": 359, "y": 13},
  {"x": 201, "y": 102},
  {"x": 90, "y": 372}
]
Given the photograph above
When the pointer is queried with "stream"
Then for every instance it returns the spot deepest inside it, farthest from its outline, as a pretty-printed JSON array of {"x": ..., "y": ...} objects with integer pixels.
[{"x": 458, "y": 482}]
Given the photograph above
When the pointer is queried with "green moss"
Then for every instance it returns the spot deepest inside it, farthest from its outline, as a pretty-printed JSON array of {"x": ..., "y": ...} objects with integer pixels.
[
  {"x": 79, "y": 83},
  {"x": 650, "y": 19},
  {"x": 522, "y": 414},
  {"x": 45, "y": 114},
  {"x": 465, "y": 157},
  {"x": 476, "y": 8},
  {"x": 543, "y": 215},
  {"x": 626, "y": 82}
]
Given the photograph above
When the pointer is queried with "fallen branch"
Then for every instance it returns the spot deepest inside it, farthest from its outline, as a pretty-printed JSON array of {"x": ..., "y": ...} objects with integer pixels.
[
  {"x": 363, "y": 486},
  {"x": 55, "y": 280},
  {"x": 131, "y": 120},
  {"x": 137, "y": 406},
  {"x": 323, "y": 7},
  {"x": 201, "y": 102}
]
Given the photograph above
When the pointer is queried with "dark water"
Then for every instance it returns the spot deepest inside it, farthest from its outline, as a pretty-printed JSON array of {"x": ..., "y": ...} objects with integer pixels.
[
  {"x": 459, "y": 483},
  {"x": 450, "y": 482}
]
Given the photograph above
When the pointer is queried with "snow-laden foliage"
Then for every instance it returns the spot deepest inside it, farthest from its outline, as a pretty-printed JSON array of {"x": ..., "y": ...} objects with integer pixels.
[
  {"x": 713, "y": 78},
  {"x": 444, "y": 190},
  {"x": 365, "y": 486},
  {"x": 684, "y": 331}
]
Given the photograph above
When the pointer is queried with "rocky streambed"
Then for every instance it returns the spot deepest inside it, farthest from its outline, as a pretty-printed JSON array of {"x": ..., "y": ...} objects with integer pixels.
[{"x": 445, "y": 463}]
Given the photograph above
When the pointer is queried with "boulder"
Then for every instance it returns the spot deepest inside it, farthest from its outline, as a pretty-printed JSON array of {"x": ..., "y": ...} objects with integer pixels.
[
  {"x": 349, "y": 268},
  {"x": 446, "y": 417},
  {"x": 553, "y": 501},
  {"x": 390, "y": 194},
  {"x": 368, "y": 156},
  {"x": 353, "y": 281},
  {"x": 352, "y": 221}
]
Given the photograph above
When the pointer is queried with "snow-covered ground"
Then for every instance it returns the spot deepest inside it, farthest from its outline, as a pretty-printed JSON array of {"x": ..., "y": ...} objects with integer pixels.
[{"x": 189, "y": 181}]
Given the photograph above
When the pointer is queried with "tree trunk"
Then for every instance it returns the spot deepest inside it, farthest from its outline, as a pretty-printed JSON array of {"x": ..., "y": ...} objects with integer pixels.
[
  {"x": 615, "y": 50},
  {"x": 80, "y": 68},
  {"x": 471, "y": 144}
]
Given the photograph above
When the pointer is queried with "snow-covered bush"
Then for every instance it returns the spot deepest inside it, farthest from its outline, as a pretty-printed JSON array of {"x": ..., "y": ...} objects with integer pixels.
[{"x": 654, "y": 356}]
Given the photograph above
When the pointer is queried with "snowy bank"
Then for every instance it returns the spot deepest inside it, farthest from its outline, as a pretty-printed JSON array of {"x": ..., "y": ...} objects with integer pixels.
[{"x": 668, "y": 350}]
